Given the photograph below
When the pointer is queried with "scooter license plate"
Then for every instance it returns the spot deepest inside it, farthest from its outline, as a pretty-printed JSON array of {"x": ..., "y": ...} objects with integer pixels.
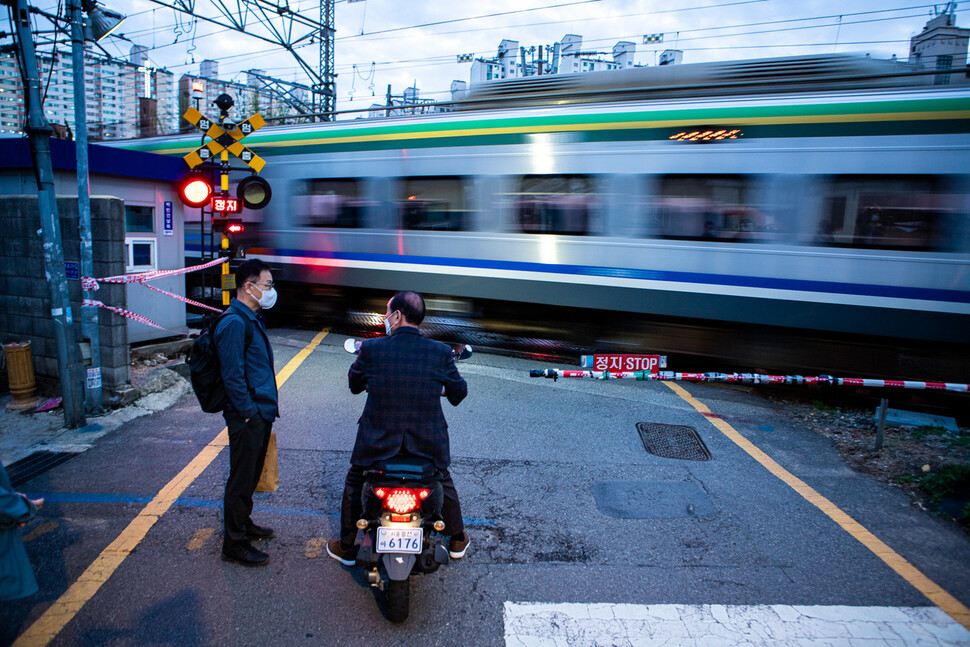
[{"x": 399, "y": 540}]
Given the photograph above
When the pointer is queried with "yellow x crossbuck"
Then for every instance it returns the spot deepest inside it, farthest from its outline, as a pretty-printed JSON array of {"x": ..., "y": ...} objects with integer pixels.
[{"x": 224, "y": 140}]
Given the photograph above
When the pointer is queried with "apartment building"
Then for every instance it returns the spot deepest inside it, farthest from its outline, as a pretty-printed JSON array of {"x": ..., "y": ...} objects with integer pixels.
[{"x": 122, "y": 98}]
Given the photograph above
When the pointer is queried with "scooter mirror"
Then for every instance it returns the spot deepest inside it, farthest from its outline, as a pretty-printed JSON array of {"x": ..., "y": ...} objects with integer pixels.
[
  {"x": 463, "y": 352},
  {"x": 351, "y": 346}
]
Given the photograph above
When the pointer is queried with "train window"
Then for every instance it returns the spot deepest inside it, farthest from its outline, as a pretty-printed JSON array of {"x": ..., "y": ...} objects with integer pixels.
[
  {"x": 433, "y": 203},
  {"x": 709, "y": 207},
  {"x": 555, "y": 204},
  {"x": 330, "y": 203},
  {"x": 902, "y": 212}
]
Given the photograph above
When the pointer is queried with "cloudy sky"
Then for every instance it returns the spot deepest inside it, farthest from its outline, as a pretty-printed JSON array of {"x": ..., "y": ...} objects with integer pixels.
[{"x": 403, "y": 43}]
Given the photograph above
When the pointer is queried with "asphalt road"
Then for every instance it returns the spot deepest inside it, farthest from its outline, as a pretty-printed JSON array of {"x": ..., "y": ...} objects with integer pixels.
[{"x": 562, "y": 503}]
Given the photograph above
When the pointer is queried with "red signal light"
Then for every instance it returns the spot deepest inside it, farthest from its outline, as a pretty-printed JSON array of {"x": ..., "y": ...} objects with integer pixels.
[
  {"x": 195, "y": 190},
  {"x": 235, "y": 228}
]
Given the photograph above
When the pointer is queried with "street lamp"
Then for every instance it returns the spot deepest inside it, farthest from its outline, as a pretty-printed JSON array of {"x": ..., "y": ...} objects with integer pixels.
[{"x": 102, "y": 23}]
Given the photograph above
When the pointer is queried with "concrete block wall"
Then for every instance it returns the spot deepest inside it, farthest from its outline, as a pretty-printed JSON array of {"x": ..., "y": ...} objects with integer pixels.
[{"x": 25, "y": 296}]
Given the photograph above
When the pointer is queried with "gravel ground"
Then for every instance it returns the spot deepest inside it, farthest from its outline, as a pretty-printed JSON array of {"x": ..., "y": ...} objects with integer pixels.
[{"x": 933, "y": 465}]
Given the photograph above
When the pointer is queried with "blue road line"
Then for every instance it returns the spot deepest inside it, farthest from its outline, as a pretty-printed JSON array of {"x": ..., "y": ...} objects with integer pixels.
[{"x": 196, "y": 502}]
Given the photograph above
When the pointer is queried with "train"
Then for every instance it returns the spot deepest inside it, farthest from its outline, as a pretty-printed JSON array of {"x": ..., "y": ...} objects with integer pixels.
[{"x": 767, "y": 212}]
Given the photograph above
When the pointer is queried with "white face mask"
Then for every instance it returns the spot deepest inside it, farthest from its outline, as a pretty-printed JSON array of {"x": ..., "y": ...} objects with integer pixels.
[
  {"x": 267, "y": 300},
  {"x": 387, "y": 323}
]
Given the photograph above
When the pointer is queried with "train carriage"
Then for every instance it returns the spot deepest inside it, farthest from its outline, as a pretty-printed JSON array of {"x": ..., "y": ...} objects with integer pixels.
[{"x": 819, "y": 202}]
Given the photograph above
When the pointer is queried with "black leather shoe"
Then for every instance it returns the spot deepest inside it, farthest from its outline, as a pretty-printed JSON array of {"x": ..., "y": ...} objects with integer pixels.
[
  {"x": 244, "y": 554},
  {"x": 258, "y": 532}
]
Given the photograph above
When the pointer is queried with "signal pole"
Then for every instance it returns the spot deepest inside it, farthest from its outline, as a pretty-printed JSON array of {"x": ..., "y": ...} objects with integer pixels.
[
  {"x": 89, "y": 314},
  {"x": 39, "y": 132}
]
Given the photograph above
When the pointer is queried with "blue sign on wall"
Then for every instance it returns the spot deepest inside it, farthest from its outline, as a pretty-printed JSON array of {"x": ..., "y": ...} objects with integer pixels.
[
  {"x": 169, "y": 227},
  {"x": 72, "y": 270}
]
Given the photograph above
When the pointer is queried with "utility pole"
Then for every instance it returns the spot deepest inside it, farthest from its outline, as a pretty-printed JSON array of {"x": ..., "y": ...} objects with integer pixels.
[
  {"x": 89, "y": 314},
  {"x": 39, "y": 132}
]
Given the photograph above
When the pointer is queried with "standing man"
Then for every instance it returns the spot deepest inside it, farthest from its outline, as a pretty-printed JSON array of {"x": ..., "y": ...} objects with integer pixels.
[
  {"x": 246, "y": 358},
  {"x": 405, "y": 375}
]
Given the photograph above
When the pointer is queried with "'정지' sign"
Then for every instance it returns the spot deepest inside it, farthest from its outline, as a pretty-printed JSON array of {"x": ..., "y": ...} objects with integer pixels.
[{"x": 652, "y": 363}]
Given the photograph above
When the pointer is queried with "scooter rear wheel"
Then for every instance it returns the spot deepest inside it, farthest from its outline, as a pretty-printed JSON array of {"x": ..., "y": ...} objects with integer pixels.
[{"x": 398, "y": 594}]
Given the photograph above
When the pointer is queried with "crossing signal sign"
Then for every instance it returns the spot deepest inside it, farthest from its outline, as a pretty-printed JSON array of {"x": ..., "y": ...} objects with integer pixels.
[
  {"x": 224, "y": 138},
  {"x": 220, "y": 204}
]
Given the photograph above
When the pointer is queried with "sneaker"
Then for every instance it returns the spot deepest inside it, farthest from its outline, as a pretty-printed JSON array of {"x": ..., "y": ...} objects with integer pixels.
[
  {"x": 258, "y": 532},
  {"x": 346, "y": 556},
  {"x": 459, "y": 544},
  {"x": 244, "y": 554}
]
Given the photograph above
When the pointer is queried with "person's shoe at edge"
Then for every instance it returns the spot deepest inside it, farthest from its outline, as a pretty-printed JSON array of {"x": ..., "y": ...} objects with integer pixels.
[
  {"x": 258, "y": 532},
  {"x": 346, "y": 556},
  {"x": 459, "y": 544},
  {"x": 244, "y": 554}
]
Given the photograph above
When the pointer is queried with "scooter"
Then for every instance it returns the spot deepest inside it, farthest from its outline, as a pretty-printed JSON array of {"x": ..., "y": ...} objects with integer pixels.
[{"x": 402, "y": 498}]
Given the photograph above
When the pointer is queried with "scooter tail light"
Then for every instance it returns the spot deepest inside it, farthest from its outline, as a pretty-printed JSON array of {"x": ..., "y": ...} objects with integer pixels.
[
  {"x": 424, "y": 494},
  {"x": 380, "y": 492},
  {"x": 401, "y": 500}
]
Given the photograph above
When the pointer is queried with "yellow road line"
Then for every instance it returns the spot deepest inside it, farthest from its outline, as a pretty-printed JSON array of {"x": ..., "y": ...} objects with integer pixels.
[
  {"x": 949, "y": 604},
  {"x": 46, "y": 627}
]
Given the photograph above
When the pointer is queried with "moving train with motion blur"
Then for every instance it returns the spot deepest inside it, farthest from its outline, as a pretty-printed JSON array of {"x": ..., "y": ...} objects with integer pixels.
[{"x": 789, "y": 213}]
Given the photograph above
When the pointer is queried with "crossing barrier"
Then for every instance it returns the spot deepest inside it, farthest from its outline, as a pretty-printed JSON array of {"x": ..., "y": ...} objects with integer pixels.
[{"x": 748, "y": 378}]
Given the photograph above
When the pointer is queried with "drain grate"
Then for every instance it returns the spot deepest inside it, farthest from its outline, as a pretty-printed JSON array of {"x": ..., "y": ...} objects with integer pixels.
[
  {"x": 673, "y": 441},
  {"x": 34, "y": 465}
]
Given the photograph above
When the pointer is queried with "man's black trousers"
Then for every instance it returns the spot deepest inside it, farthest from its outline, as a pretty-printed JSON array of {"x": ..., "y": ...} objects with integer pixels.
[
  {"x": 247, "y": 451},
  {"x": 351, "y": 508}
]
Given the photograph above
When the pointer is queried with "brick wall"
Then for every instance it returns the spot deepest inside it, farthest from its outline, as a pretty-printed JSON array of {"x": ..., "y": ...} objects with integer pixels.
[{"x": 25, "y": 296}]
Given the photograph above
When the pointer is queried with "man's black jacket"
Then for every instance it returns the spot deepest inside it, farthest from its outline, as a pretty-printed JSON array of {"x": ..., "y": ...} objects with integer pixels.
[{"x": 403, "y": 375}]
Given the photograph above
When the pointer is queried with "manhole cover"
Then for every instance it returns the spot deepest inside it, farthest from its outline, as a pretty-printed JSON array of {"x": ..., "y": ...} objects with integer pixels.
[
  {"x": 673, "y": 441},
  {"x": 652, "y": 499},
  {"x": 34, "y": 465}
]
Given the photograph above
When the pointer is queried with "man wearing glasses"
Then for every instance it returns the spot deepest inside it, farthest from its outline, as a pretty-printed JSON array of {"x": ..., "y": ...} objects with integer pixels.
[{"x": 246, "y": 359}]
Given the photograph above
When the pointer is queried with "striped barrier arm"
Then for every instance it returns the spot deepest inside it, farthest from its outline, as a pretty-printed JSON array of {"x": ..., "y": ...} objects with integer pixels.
[{"x": 748, "y": 378}]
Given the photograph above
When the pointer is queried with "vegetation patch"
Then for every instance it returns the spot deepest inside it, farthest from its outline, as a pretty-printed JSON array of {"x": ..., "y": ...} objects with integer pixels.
[{"x": 931, "y": 463}]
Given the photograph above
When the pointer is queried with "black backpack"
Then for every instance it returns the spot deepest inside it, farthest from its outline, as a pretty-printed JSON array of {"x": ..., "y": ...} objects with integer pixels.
[{"x": 205, "y": 369}]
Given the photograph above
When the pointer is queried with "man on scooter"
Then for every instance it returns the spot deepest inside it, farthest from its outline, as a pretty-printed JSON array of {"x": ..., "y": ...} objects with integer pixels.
[{"x": 405, "y": 375}]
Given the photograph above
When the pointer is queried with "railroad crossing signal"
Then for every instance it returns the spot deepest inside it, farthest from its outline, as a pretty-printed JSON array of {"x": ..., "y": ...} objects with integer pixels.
[{"x": 224, "y": 138}]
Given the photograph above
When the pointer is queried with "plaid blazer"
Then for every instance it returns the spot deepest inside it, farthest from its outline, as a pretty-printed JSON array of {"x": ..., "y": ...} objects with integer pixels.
[{"x": 403, "y": 375}]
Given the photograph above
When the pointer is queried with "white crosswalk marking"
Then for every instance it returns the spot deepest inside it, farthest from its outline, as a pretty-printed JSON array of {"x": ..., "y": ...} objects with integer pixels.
[{"x": 711, "y": 625}]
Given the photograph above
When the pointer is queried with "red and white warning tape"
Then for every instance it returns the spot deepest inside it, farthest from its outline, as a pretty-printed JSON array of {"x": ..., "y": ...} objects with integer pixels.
[
  {"x": 181, "y": 298},
  {"x": 750, "y": 378},
  {"x": 129, "y": 314},
  {"x": 90, "y": 284}
]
